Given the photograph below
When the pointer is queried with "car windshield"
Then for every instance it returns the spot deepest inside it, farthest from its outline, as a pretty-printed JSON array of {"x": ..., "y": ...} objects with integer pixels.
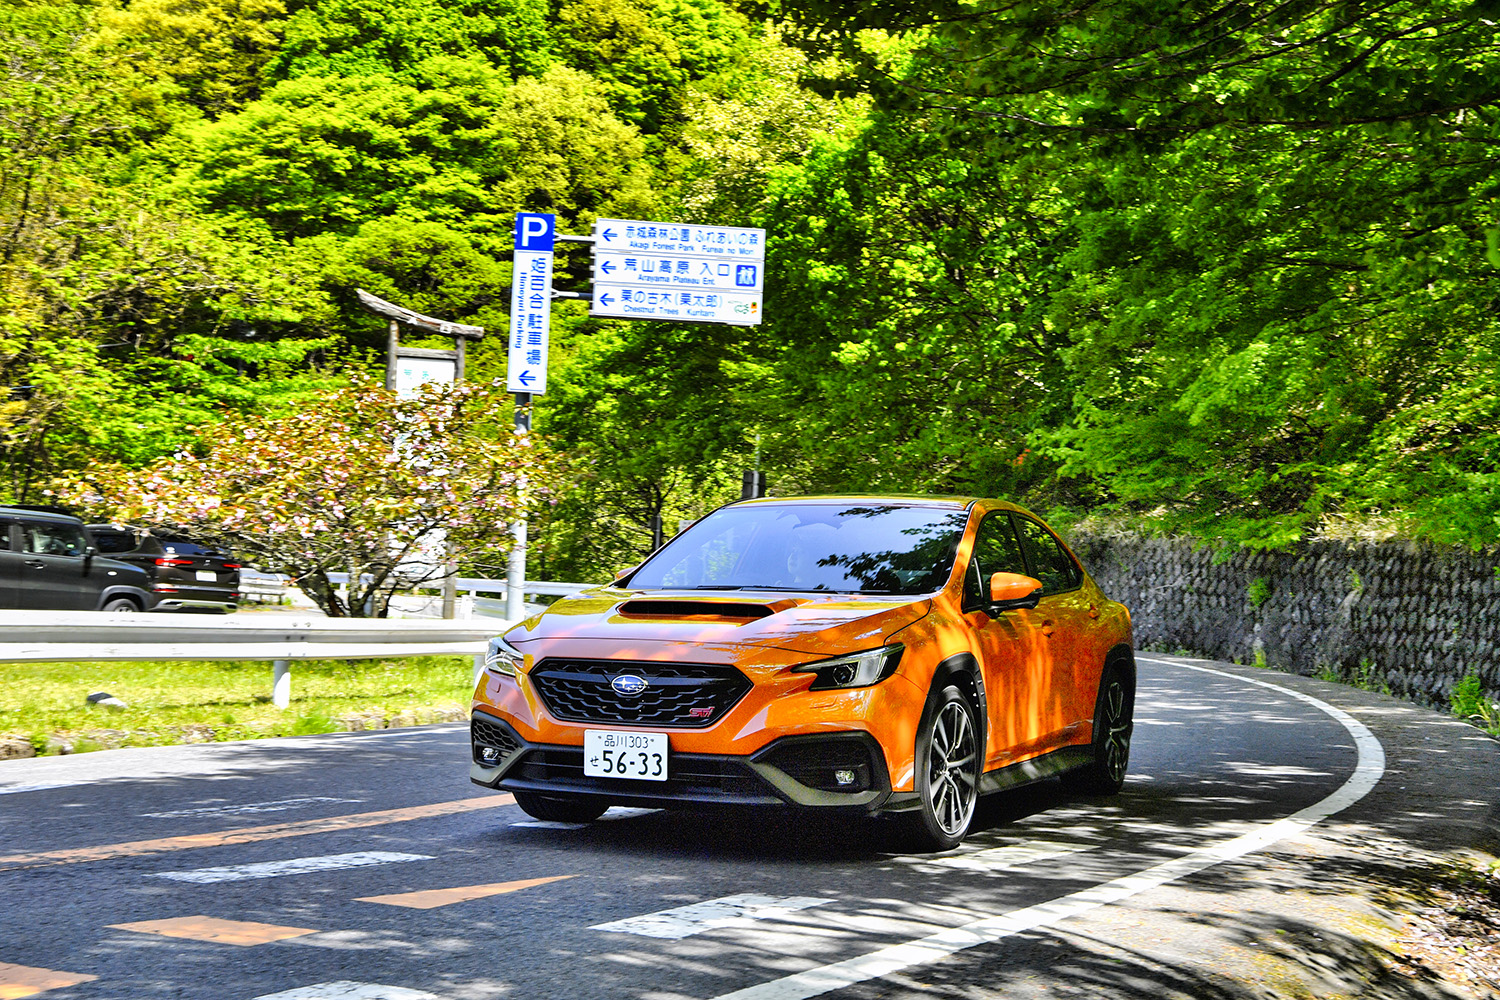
[{"x": 839, "y": 547}]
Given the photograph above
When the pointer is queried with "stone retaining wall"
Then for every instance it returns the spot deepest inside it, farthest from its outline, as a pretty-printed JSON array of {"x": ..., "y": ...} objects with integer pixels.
[{"x": 1417, "y": 618}]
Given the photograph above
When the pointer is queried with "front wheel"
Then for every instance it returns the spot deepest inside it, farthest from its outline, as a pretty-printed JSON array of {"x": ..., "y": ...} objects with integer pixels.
[
  {"x": 1113, "y": 723},
  {"x": 560, "y": 809},
  {"x": 948, "y": 764}
]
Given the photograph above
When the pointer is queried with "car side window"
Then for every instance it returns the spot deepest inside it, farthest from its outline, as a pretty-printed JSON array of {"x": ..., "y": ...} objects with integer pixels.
[
  {"x": 112, "y": 542},
  {"x": 1050, "y": 564},
  {"x": 4, "y": 536},
  {"x": 995, "y": 551},
  {"x": 52, "y": 539}
]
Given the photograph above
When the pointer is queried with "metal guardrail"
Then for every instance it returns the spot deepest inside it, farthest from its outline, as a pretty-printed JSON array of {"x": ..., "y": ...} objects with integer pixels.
[
  {"x": 92, "y": 636},
  {"x": 488, "y": 585}
]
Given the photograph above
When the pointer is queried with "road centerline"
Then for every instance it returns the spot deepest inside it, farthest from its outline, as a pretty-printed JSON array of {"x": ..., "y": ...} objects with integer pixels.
[{"x": 250, "y": 834}]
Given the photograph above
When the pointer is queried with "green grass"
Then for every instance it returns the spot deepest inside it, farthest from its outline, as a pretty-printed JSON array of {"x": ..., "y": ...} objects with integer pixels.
[{"x": 185, "y": 701}]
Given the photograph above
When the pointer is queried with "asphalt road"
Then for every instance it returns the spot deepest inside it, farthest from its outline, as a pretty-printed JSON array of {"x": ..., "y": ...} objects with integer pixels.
[{"x": 365, "y": 865}]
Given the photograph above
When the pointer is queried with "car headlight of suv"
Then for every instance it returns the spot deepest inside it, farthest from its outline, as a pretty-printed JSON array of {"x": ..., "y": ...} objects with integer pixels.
[
  {"x": 502, "y": 657},
  {"x": 856, "y": 670}
]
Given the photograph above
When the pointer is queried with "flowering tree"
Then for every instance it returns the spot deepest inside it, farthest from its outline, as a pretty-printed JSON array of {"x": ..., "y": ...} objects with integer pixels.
[{"x": 357, "y": 481}]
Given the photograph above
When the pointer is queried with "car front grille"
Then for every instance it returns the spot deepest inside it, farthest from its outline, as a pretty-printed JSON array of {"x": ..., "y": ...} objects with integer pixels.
[
  {"x": 694, "y": 775},
  {"x": 687, "y": 696},
  {"x": 486, "y": 735}
]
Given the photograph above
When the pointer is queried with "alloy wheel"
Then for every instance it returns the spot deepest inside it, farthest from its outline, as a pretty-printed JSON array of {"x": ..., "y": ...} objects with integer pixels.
[
  {"x": 1117, "y": 739},
  {"x": 952, "y": 788}
]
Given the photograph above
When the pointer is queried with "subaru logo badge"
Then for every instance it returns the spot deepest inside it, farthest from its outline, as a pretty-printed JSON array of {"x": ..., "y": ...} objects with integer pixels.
[{"x": 628, "y": 685}]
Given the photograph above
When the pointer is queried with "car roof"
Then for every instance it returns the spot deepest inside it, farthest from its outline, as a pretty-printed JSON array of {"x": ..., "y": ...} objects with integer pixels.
[
  {"x": 38, "y": 515},
  {"x": 883, "y": 499}
]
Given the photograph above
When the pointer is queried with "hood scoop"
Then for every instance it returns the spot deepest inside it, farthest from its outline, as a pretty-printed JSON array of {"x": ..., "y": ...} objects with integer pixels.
[{"x": 680, "y": 610}]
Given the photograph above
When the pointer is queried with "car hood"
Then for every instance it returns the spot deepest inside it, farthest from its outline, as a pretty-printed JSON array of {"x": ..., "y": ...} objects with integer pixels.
[{"x": 806, "y": 623}]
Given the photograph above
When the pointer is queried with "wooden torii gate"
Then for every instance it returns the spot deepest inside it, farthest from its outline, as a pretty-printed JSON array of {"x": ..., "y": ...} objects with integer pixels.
[{"x": 394, "y": 352}]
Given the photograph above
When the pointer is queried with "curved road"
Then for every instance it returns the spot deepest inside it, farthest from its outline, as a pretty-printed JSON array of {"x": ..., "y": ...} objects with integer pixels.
[{"x": 364, "y": 865}]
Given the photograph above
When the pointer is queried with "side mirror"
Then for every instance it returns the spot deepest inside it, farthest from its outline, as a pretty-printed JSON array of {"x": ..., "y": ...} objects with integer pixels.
[{"x": 1009, "y": 591}]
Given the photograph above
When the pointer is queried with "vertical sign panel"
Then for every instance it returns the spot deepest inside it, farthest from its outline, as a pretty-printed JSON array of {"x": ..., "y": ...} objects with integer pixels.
[{"x": 531, "y": 302}]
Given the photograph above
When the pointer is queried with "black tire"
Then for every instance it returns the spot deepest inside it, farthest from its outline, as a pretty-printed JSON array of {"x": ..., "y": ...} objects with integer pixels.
[
  {"x": 119, "y": 605},
  {"x": 1114, "y": 721},
  {"x": 560, "y": 810},
  {"x": 948, "y": 762}
]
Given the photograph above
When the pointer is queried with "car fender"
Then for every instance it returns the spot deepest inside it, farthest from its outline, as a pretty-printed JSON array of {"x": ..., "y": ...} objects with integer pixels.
[{"x": 143, "y": 598}]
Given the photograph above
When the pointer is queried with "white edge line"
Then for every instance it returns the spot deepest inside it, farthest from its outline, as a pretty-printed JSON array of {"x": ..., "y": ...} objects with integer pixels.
[{"x": 884, "y": 961}]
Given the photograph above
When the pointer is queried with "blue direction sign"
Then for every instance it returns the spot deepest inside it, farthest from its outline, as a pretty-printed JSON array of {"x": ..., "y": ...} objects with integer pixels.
[
  {"x": 676, "y": 238},
  {"x": 678, "y": 271},
  {"x": 531, "y": 303},
  {"x": 701, "y": 306}
]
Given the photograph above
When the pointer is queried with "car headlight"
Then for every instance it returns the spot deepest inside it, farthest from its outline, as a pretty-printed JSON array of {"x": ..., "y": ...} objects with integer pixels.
[
  {"x": 856, "y": 670},
  {"x": 502, "y": 657}
]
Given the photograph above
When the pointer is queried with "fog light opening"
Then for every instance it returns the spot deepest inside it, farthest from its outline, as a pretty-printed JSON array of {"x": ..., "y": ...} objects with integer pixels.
[{"x": 844, "y": 777}]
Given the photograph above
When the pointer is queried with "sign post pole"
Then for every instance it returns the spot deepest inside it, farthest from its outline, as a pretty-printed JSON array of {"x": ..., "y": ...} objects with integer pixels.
[{"x": 526, "y": 368}]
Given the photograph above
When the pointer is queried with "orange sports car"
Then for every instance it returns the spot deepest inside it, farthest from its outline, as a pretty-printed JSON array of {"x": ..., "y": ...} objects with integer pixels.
[{"x": 878, "y": 654}]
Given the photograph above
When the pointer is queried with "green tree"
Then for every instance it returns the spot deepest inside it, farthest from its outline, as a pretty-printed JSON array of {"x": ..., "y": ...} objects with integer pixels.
[
  {"x": 388, "y": 38},
  {"x": 357, "y": 481}
]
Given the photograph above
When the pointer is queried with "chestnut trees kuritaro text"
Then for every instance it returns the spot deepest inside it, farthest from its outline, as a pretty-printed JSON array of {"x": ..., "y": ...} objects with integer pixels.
[{"x": 358, "y": 481}]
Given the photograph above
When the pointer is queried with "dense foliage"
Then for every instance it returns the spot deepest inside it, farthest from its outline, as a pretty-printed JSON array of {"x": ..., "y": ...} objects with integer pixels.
[{"x": 1223, "y": 268}]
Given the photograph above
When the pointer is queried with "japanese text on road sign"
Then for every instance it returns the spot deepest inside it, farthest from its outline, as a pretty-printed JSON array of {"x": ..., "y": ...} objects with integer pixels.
[{"x": 531, "y": 303}]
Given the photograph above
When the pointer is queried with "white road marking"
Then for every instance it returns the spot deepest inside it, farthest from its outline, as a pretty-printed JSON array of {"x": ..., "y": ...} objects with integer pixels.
[
  {"x": 343, "y": 989},
  {"x": 296, "y": 866},
  {"x": 37, "y": 787},
  {"x": 994, "y": 860},
  {"x": 695, "y": 918},
  {"x": 281, "y": 805},
  {"x": 934, "y": 947}
]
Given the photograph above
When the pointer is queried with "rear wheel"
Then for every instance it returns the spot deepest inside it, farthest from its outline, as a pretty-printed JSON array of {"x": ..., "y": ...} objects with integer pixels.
[
  {"x": 120, "y": 605},
  {"x": 948, "y": 761},
  {"x": 1113, "y": 723},
  {"x": 560, "y": 809}
]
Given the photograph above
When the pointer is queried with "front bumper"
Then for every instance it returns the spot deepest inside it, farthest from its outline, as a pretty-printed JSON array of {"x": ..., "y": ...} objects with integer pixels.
[
  {"x": 797, "y": 771},
  {"x": 194, "y": 604}
]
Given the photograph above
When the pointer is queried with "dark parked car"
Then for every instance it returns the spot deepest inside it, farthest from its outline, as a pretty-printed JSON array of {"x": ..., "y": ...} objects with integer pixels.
[
  {"x": 48, "y": 562},
  {"x": 185, "y": 575}
]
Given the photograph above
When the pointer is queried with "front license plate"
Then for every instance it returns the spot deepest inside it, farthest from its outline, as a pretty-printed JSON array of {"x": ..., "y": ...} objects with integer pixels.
[
  {"x": 611, "y": 754},
  {"x": 207, "y": 575}
]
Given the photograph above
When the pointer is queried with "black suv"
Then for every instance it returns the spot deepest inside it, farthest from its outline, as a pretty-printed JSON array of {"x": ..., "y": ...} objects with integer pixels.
[
  {"x": 47, "y": 561},
  {"x": 185, "y": 575}
]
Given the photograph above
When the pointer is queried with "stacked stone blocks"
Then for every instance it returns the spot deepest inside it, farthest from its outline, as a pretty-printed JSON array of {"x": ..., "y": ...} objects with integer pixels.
[{"x": 1414, "y": 618}]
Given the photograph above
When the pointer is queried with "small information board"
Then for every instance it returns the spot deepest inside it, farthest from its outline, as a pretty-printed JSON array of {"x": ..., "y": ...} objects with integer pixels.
[
  {"x": 531, "y": 303},
  {"x": 414, "y": 372}
]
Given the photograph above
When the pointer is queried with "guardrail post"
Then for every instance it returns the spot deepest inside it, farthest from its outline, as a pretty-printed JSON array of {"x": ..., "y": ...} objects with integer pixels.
[{"x": 281, "y": 683}]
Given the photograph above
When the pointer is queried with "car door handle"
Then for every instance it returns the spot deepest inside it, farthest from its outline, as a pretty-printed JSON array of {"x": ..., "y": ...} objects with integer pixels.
[
  {"x": 1047, "y": 626},
  {"x": 36, "y": 564}
]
